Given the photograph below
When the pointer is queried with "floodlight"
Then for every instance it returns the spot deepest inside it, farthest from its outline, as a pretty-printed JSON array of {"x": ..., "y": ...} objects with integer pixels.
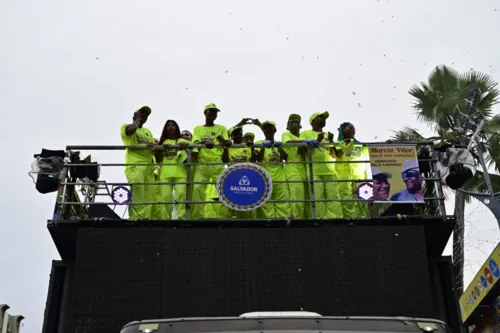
[
  {"x": 365, "y": 191},
  {"x": 121, "y": 195}
]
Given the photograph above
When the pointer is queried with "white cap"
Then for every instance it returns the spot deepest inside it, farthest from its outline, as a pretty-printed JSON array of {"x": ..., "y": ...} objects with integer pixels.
[
  {"x": 409, "y": 165},
  {"x": 377, "y": 172}
]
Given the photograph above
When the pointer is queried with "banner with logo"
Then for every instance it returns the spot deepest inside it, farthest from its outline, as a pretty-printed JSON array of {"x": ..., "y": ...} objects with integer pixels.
[
  {"x": 395, "y": 173},
  {"x": 482, "y": 283},
  {"x": 244, "y": 186}
]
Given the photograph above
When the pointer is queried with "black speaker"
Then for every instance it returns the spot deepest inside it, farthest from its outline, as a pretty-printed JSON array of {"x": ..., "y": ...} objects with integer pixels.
[{"x": 458, "y": 176}]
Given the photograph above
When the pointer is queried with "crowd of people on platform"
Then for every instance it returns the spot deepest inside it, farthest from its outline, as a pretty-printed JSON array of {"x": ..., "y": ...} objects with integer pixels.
[{"x": 282, "y": 163}]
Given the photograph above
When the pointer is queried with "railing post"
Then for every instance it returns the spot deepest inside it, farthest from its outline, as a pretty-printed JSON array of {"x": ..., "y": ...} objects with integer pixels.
[
  {"x": 188, "y": 185},
  {"x": 437, "y": 184},
  {"x": 311, "y": 182},
  {"x": 60, "y": 207}
]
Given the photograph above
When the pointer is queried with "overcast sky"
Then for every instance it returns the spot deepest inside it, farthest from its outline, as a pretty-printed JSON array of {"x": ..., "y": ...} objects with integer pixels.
[{"x": 71, "y": 72}]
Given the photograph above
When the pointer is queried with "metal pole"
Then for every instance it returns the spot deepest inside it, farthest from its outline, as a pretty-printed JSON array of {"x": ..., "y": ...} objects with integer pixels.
[
  {"x": 58, "y": 209},
  {"x": 311, "y": 182},
  {"x": 188, "y": 185},
  {"x": 437, "y": 186}
]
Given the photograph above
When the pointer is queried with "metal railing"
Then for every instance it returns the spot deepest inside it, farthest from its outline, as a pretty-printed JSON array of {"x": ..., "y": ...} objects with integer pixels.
[{"x": 77, "y": 193}]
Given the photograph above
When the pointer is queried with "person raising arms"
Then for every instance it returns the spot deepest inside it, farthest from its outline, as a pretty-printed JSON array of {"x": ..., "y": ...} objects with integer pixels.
[{"x": 325, "y": 187}]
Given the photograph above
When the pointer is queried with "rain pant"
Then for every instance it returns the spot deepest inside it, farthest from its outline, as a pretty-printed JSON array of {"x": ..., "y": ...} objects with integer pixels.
[
  {"x": 139, "y": 173},
  {"x": 324, "y": 177},
  {"x": 157, "y": 210},
  {"x": 352, "y": 171},
  {"x": 296, "y": 175},
  {"x": 275, "y": 167},
  {"x": 140, "y": 193}
]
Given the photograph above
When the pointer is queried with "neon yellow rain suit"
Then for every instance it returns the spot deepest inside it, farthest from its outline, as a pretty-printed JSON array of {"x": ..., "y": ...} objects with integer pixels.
[
  {"x": 323, "y": 171},
  {"x": 212, "y": 210},
  {"x": 276, "y": 171},
  {"x": 173, "y": 170},
  {"x": 157, "y": 213},
  {"x": 204, "y": 173},
  {"x": 139, "y": 173},
  {"x": 296, "y": 172},
  {"x": 352, "y": 171}
]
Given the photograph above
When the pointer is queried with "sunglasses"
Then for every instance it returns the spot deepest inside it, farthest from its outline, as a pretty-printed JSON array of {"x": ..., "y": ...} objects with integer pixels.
[{"x": 410, "y": 174}]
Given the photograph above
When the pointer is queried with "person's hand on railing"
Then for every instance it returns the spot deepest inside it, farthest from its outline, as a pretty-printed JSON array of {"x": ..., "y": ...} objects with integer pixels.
[
  {"x": 209, "y": 144},
  {"x": 183, "y": 144},
  {"x": 167, "y": 145},
  {"x": 267, "y": 144},
  {"x": 249, "y": 143},
  {"x": 277, "y": 144},
  {"x": 223, "y": 141},
  {"x": 312, "y": 143},
  {"x": 150, "y": 144}
]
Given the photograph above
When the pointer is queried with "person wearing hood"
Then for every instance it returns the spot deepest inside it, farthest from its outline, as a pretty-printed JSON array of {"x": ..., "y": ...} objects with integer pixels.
[
  {"x": 351, "y": 152},
  {"x": 325, "y": 176},
  {"x": 295, "y": 169},
  {"x": 135, "y": 134},
  {"x": 272, "y": 157}
]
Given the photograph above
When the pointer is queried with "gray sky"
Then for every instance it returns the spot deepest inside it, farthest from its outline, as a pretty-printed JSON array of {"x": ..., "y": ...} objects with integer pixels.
[{"x": 100, "y": 60}]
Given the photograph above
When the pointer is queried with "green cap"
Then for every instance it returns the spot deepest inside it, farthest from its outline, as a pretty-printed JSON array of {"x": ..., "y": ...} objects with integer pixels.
[
  {"x": 250, "y": 134},
  {"x": 234, "y": 128},
  {"x": 146, "y": 109},
  {"x": 211, "y": 106},
  {"x": 314, "y": 115},
  {"x": 294, "y": 116},
  {"x": 268, "y": 122}
]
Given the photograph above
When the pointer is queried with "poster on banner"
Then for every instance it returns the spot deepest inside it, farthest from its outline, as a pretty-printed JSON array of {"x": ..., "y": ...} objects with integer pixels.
[{"x": 396, "y": 174}]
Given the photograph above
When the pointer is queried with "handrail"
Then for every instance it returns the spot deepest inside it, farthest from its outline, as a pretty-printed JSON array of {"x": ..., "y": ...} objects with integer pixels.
[
  {"x": 241, "y": 145},
  {"x": 431, "y": 179}
]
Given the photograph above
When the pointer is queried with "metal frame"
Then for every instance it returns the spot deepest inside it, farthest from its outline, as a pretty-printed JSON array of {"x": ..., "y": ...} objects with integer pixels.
[{"x": 91, "y": 189}]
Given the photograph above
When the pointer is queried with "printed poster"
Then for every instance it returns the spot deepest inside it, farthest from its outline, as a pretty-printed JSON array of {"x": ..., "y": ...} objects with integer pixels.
[{"x": 395, "y": 173}]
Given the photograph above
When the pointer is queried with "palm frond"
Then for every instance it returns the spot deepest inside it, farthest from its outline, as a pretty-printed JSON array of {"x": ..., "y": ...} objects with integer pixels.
[
  {"x": 407, "y": 133},
  {"x": 478, "y": 184},
  {"x": 492, "y": 125},
  {"x": 489, "y": 92}
]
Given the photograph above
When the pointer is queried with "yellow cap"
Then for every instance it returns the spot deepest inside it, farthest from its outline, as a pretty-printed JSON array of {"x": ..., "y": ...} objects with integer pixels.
[
  {"x": 268, "y": 122},
  {"x": 234, "y": 128},
  {"x": 249, "y": 134},
  {"x": 146, "y": 109},
  {"x": 314, "y": 115},
  {"x": 211, "y": 106},
  {"x": 294, "y": 116}
]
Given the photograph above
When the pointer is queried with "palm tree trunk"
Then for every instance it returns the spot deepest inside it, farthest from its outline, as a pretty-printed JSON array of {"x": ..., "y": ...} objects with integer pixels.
[{"x": 458, "y": 242}]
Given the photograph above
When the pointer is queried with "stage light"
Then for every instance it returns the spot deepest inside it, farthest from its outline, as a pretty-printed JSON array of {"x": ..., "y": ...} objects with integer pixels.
[
  {"x": 365, "y": 191},
  {"x": 121, "y": 195},
  {"x": 456, "y": 166},
  {"x": 46, "y": 170}
]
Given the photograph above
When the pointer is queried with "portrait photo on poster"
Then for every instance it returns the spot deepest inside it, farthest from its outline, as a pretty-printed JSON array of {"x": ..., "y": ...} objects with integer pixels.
[{"x": 396, "y": 174}]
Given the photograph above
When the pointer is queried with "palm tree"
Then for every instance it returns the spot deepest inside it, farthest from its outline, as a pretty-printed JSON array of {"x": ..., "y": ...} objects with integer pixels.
[{"x": 439, "y": 103}]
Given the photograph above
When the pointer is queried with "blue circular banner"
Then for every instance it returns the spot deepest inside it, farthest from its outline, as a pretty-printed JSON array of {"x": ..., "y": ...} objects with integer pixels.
[{"x": 244, "y": 186}]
